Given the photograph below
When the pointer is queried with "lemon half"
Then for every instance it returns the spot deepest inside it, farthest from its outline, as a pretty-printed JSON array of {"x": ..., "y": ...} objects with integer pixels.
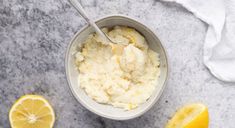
[
  {"x": 31, "y": 111},
  {"x": 190, "y": 116}
]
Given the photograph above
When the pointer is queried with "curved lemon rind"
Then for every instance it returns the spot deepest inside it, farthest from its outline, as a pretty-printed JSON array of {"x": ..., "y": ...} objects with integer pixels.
[
  {"x": 196, "y": 119},
  {"x": 31, "y": 96}
]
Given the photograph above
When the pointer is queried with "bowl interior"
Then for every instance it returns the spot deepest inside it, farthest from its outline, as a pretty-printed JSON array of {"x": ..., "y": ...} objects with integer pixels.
[{"x": 107, "y": 110}]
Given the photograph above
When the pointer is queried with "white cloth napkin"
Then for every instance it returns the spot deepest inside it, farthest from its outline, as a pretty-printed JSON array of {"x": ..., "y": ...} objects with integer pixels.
[{"x": 219, "y": 47}]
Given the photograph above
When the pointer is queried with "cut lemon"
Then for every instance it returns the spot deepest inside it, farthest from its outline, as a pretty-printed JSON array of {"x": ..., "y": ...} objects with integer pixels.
[
  {"x": 190, "y": 116},
  {"x": 32, "y": 111}
]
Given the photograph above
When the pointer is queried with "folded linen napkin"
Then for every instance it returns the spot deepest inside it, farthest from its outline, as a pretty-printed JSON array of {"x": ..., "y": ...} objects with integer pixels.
[{"x": 219, "y": 47}]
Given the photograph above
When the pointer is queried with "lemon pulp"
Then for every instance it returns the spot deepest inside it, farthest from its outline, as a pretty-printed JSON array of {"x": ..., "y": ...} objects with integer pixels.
[
  {"x": 190, "y": 116},
  {"x": 31, "y": 111}
]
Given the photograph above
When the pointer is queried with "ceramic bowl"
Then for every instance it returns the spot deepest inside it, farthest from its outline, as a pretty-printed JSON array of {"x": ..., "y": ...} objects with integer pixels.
[{"x": 109, "y": 111}]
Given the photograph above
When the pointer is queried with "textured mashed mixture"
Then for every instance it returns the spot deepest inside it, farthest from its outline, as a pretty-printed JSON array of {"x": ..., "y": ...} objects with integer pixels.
[{"x": 123, "y": 75}]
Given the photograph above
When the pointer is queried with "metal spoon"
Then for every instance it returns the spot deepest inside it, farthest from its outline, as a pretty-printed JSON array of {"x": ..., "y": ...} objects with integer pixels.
[{"x": 82, "y": 12}]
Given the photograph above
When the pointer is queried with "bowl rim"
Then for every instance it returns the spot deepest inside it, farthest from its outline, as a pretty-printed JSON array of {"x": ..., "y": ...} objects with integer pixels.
[{"x": 92, "y": 109}]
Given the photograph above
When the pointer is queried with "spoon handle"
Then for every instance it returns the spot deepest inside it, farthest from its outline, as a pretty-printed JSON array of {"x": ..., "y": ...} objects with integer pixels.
[{"x": 82, "y": 12}]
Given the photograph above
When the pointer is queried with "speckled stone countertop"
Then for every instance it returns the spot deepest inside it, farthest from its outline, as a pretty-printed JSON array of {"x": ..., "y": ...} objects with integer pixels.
[{"x": 34, "y": 35}]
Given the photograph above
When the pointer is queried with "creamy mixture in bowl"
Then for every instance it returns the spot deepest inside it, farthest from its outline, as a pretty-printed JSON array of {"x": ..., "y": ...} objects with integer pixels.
[{"x": 123, "y": 75}]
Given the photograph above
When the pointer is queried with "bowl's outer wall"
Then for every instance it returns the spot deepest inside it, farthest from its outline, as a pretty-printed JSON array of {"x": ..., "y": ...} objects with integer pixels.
[{"x": 107, "y": 110}]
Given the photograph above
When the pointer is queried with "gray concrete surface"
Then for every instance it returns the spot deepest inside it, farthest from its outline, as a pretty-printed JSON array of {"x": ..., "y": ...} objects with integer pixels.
[{"x": 33, "y": 38}]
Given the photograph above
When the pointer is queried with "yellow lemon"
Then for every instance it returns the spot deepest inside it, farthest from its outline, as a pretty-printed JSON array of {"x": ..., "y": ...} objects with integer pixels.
[
  {"x": 190, "y": 116},
  {"x": 32, "y": 111}
]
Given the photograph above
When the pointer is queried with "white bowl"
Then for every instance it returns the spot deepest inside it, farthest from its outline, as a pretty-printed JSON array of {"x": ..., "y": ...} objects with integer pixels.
[{"x": 109, "y": 111}]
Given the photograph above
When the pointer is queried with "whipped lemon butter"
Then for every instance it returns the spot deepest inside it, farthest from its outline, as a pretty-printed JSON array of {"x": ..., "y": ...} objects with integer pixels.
[{"x": 123, "y": 75}]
